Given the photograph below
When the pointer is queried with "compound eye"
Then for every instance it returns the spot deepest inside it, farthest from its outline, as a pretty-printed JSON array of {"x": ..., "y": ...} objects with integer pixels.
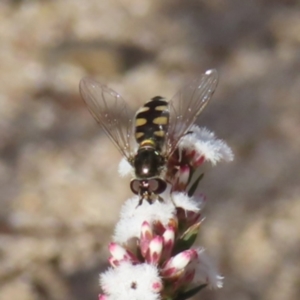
[
  {"x": 157, "y": 185},
  {"x": 153, "y": 185},
  {"x": 135, "y": 186}
]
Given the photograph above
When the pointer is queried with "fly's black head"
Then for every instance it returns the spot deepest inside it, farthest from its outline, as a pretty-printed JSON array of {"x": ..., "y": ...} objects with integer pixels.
[
  {"x": 146, "y": 188},
  {"x": 148, "y": 163}
]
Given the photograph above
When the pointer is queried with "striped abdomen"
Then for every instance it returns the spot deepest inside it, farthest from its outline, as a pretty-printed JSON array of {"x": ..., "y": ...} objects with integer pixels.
[{"x": 152, "y": 121}]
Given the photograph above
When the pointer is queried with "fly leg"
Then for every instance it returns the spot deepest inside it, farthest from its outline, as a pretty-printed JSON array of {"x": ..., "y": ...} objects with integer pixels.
[
  {"x": 140, "y": 201},
  {"x": 144, "y": 195},
  {"x": 172, "y": 200},
  {"x": 160, "y": 199}
]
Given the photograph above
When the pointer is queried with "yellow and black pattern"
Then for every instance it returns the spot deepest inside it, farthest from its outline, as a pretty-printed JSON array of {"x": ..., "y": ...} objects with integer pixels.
[{"x": 152, "y": 121}]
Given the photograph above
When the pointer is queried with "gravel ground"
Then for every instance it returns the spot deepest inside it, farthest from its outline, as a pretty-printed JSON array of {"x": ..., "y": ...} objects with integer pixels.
[{"x": 60, "y": 192}]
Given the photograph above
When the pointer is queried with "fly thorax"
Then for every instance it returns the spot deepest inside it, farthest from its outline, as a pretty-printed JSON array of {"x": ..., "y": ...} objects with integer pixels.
[{"x": 148, "y": 163}]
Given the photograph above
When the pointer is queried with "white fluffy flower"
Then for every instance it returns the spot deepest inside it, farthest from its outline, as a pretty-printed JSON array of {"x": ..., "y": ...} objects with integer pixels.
[
  {"x": 187, "y": 203},
  {"x": 132, "y": 217},
  {"x": 205, "y": 143},
  {"x": 131, "y": 282},
  {"x": 125, "y": 168},
  {"x": 206, "y": 271}
]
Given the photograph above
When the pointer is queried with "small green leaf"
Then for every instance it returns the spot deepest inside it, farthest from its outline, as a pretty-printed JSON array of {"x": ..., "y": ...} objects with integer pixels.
[
  {"x": 188, "y": 238},
  {"x": 191, "y": 232},
  {"x": 190, "y": 293},
  {"x": 194, "y": 186}
]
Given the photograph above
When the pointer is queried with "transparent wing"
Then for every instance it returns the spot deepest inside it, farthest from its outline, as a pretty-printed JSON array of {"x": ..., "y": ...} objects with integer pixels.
[
  {"x": 186, "y": 106},
  {"x": 111, "y": 112}
]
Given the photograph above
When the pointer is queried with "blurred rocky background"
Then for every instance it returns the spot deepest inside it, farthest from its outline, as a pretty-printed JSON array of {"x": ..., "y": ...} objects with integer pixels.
[{"x": 60, "y": 191}]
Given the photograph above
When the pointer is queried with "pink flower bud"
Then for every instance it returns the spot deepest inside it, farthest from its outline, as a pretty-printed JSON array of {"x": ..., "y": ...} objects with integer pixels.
[
  {"x": 184, "y": 280},
  {"x": 168, "y": 238},
  {"x": 179, "y": 262},
  {"x": 146, "y": 237},
  {"x": 155, "y": 250},
  {"x": 170, "y": 272},
  {"x": 119, "y": 253},
  {"x": 114, "y": 262}
]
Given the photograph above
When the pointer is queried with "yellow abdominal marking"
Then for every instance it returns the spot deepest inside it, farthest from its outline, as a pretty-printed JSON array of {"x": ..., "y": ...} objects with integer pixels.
[
  {"x": 148, "y": 143},
  {"x": 159, "y": 133},
  {"x": 143, "y": 109},
  {"x": 139, "y": 135},
  {"x": 140, "y": 122},
  {"x": 161, "y": 120},
  {"x": 161, "y": 107}
]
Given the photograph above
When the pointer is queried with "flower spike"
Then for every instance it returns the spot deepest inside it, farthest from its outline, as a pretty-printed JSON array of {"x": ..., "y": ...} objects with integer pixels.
[{"x": 152, "y": 256}]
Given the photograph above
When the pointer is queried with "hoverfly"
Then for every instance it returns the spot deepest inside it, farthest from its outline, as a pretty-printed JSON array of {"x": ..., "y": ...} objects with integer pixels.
[{"x": 151, "y": 136}]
